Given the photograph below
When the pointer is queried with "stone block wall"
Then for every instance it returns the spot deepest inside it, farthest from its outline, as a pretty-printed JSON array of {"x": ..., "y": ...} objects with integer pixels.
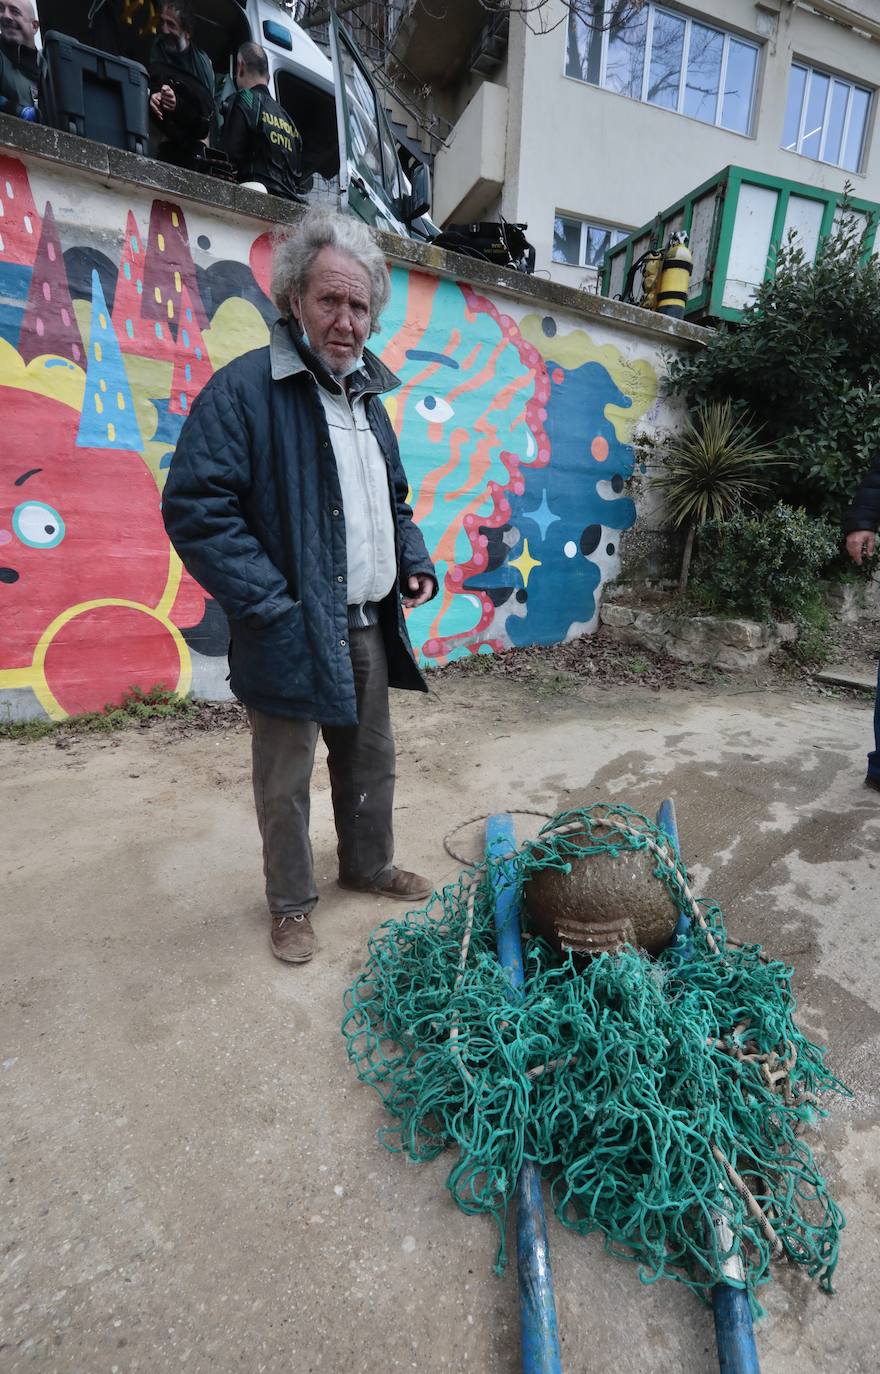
[{"x": 733, "y": 644}]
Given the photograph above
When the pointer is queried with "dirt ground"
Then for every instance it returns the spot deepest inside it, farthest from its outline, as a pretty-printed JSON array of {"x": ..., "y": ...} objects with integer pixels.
[{"x": 191, "y": 1176}]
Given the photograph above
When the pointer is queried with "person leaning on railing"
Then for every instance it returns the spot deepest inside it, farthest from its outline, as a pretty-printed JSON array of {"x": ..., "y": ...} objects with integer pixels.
[
  {"x": 181, "y": 85},
  {"x": 860, "y": 524},
  {"x": 21, "y": 65}
]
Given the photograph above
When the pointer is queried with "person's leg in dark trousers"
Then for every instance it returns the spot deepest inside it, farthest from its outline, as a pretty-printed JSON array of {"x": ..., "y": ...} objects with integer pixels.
[
  {"x": 361, "y": 764},
  {"x": 283, "y": 753},
  {"x": 874, "y": 756}
]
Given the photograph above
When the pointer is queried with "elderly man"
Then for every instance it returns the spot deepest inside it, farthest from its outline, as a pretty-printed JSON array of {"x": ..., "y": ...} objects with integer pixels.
[
  {"x": 21, "y": 65},
  {"x": 259, "y": 137},
  {"x": 182, "y": 85},
  {"x": 860, "y": 524},
  {"x": 286, "y": 499}
]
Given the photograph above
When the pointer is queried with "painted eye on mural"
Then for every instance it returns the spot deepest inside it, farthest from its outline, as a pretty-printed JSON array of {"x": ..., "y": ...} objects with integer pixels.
[
  {"x": 435, "y": 410},
  {"x": 38, "y": 525}
]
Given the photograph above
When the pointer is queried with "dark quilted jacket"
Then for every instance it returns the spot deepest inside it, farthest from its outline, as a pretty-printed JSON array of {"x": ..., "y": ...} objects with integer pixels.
[
  {"x": 253, "y": 506},
  {"x": 864, "y": 510}
]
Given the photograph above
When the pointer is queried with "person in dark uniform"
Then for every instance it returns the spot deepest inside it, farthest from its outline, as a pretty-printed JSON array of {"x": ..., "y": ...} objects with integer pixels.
[
  {"x": 181, "y": 85},
  {"x": 259, "y": 137},
  {"x": 21, "y": 65}
]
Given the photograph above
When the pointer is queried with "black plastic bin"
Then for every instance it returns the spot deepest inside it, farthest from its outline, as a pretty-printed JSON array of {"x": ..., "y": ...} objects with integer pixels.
[{"x": 95, "y": 95}]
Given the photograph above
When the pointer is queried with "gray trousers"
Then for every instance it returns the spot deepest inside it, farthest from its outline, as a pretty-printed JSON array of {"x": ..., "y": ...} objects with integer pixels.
[{"x": 361, "y": 765}]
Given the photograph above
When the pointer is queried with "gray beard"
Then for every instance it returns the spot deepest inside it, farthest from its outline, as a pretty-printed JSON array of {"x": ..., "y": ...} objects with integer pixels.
[
  {"x": 352, "y": 367},
  {"x": 334, "y": 372}
]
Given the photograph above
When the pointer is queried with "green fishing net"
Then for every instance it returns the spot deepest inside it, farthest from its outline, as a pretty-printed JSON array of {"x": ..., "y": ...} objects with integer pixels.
[{"x": 660, "y": 1097}]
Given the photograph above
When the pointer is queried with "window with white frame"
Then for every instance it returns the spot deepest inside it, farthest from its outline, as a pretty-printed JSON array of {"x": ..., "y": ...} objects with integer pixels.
[
  {"x": 581, "y": 243},
  {"x": 826, "y": 117},
  {"x": 666, "y": 59}
]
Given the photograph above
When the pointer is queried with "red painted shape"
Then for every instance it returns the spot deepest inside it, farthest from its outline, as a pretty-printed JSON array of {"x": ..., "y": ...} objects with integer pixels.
[
  {"x": 260, "y": 262},
  {"x": 168, "y": 261},
  {"x": 136, "y": 333},
  {"x": 49, "y": 325},
  {"x": 114, "y": 546},
  {"x": 189, "y": 604},
  {"x": 99, "y": 655},
  {"x": 19, "y": 222}
]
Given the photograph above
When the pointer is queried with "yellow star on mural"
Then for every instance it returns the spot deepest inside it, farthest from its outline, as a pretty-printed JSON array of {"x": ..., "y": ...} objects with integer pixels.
[{"x": 525, "y": 563}]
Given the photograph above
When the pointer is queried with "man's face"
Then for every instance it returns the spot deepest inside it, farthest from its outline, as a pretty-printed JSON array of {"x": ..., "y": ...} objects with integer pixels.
[
  {"x": 18, "y": 23},
  {"x": 170, "y": 26},
  {"x": 334, "y": 309}
]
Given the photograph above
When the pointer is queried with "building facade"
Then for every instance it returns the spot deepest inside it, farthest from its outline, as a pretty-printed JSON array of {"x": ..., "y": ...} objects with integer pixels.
[{"x": 587, "y": 130}]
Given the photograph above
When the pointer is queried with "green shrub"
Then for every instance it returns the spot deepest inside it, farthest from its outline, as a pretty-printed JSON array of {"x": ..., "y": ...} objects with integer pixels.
[
  {"x": 714, "y": 465},
  {"x": 763, "y": 566},
  {"x": 813, "y": 644},
  {"x": 804, "y": 364}
]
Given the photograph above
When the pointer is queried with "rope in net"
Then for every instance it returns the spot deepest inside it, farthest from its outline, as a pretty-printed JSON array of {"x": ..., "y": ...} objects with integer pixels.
[{"x": 656, "y": 1095}]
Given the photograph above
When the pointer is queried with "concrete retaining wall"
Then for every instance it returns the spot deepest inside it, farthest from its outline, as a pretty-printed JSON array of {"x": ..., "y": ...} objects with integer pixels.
[{"x": 124, "y": 285}]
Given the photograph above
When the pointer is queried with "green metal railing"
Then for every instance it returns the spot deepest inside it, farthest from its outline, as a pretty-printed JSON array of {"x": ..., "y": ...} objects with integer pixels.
[{"x": 716, "y": 203}]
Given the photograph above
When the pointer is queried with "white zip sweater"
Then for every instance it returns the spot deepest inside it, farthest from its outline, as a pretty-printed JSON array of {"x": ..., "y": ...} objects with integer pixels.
[{"x": 366, "y": 501}]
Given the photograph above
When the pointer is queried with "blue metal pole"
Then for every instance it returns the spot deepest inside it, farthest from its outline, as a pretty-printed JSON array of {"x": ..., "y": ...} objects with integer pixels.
[
  {"x": 734, "y": 1335},
  {"x": 682, "y": 945},
  {"x": 539, "y": 1335}
]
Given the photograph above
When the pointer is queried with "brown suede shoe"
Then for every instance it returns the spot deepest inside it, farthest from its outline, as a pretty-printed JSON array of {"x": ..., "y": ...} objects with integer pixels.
[
  {"x": 292, "y": 938},
  {"x": 397, "y": 883}
]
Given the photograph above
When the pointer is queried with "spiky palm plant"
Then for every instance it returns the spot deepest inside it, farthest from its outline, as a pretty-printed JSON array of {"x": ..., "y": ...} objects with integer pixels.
[{"x": 711, "y": 469}]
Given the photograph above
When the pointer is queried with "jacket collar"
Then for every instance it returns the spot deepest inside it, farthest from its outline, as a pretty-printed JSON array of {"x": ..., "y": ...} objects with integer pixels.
[
  {"x": 27, "y": 60},
  {"x": 289, "y": 356}
]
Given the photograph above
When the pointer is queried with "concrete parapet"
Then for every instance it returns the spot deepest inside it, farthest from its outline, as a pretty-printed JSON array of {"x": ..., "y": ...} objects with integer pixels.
[{"x": 114, "y": 165}]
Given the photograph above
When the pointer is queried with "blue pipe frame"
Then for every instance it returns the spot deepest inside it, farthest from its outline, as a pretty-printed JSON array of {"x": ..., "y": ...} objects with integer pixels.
[
  {"x": 539, "y": 1332},
  {"x": 734, "y": 1334}
]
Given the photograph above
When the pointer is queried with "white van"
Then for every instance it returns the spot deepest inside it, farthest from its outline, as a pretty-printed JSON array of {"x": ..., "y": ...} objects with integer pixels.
[{"x": 349, "y": 150}]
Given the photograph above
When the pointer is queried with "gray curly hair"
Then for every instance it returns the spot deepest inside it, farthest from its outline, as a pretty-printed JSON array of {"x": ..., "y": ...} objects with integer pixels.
[{"x": 296, "y": 251}]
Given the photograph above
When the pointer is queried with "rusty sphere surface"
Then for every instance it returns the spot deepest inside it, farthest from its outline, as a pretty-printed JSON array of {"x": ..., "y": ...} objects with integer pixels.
[{"x": 605, "y": 902}]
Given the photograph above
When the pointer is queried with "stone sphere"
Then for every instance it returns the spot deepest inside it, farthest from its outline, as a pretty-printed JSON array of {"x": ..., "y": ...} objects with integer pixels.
[{"x": 603, "y": 904}]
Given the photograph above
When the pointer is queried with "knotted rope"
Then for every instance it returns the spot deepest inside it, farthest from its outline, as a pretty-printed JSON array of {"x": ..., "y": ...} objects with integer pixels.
[{"x": 653, "y": 1094}]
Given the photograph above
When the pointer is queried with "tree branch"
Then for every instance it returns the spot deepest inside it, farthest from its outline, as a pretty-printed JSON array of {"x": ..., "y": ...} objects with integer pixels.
[
  {"x": 619, "y": 12},
  {"x": 313, "y": 20}
]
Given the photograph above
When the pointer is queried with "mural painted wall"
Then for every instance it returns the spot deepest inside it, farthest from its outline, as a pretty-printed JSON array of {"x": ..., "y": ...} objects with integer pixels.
[{"x": 115, "y": 309}]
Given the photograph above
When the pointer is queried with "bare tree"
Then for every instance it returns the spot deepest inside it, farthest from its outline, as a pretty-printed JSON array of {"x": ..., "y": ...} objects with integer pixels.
[{"x": 539, "y": 15}]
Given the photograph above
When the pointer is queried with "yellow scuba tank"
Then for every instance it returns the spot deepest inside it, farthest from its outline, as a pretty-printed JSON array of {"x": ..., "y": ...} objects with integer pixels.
[{"x": 678, "y": 263}]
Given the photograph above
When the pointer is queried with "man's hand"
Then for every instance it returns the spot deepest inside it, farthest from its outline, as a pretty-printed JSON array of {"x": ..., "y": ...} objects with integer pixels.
[
  {"x": 421, "y": 589},
  {"x": 163, "y": 102},
  {"x": 861, "y": 544}
]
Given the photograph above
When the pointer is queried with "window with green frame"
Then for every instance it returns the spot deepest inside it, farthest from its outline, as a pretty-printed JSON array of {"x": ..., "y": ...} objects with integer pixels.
[
  {"x": 664, "y": 58},
  {"x": 826, "y": 117}
]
